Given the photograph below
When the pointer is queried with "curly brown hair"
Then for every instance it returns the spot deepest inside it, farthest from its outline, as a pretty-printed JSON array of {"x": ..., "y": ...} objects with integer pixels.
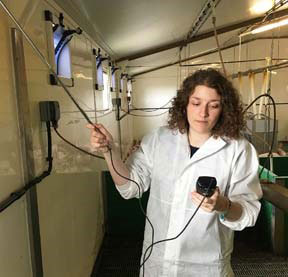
[{"x": 231, "y": 121}]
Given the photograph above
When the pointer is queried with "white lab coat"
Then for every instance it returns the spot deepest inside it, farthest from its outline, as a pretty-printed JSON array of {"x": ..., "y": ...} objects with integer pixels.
[{"x": 163, "y": 163}]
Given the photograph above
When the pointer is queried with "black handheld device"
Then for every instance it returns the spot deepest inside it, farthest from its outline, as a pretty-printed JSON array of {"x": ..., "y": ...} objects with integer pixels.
[{"x": 206, "y": 185}]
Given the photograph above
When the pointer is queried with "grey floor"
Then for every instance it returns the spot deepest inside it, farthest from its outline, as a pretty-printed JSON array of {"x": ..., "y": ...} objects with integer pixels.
[
  {"x": 249, "y": 259},
  {"x": 120, "y": 257}
]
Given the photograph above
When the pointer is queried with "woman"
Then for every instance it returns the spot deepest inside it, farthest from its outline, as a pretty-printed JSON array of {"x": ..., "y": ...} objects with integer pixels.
[{"x": 203, "y": 138}]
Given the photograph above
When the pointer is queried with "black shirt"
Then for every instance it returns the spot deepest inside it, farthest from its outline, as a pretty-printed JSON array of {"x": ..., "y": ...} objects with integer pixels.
[{"x": 193, "y": 150}]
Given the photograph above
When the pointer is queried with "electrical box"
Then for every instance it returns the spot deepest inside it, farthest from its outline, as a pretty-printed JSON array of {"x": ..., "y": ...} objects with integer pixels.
[
  {"x": 49, "y": 111},
  {"x": 116, "y": 102}
]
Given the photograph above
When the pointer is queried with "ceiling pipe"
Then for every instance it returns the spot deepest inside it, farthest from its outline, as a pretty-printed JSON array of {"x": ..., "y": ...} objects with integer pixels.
[
  {"x": 204, "y": 35},
  {"x": 260, "y": 70},
  {"x": 231, "y": 62},
  {"x": 206, "y": 53}
]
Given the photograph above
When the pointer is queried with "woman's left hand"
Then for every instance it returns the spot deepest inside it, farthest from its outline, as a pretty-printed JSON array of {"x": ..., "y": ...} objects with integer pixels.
[{"x": 215, "y": 202}]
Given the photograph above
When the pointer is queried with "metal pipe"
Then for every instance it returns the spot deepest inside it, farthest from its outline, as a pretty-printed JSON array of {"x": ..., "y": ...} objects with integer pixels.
[
  {"x": 260, "y": 69},
  {"x": 276, "y": 194},
  {"x": 242, "y": 61},
  {"x": 202, "y": 54}
]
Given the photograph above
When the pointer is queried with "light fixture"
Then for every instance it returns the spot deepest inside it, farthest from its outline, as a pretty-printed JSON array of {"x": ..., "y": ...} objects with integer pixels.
[
  {"x": 261, "y": 6},
  {"x": 266, "y": 27}
]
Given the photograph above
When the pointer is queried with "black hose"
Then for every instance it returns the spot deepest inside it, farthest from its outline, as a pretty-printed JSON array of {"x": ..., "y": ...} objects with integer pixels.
[{"x": 20, "y": 192}]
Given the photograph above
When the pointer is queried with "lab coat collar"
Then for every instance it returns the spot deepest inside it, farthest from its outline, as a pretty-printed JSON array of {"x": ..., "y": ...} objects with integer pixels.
[{"x": 210, "y": 146}]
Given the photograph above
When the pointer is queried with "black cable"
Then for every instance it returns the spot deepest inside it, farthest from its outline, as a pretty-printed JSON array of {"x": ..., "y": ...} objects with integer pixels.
[
  {"x": 169, "y": 239},
  {"x": 110, "y": 152},
  {"x": 139, "y": 199},
  {"x": 140, "y": 203},
  {"x": 205, "y": 195},
  {"x": 274, "y": 126},
  {"x": 139, "y": 189},
  {"x": 270, "y": 151},
  {"x": 20, "y": 192},
  {"x": 73, "y": 145},
  {"x": 59, "y": 44},
  {"x": 65, "y": 34}
]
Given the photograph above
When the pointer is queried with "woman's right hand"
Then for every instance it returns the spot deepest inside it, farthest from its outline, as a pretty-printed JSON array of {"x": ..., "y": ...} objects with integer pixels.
[{"x": 100, "y": 139}]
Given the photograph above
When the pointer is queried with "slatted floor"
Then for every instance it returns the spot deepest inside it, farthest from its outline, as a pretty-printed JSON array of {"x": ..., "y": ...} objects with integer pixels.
[
  {"x": 248, "y": 260},
  {"x": 120, "y": 257}
]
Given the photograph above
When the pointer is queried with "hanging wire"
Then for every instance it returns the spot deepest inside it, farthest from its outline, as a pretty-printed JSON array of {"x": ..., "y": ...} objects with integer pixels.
[
  {"x": 216, "y": 37},
  {"x": 155, "y": 109},
  {"x": 143, "y": 115},
  {"x": 105, "y": 114},
  {"x": 239, "y": 54},
  {"x": 76, "y": 147},
  {"x": 150, "y": 247},
  {"x": 234, "y": 57},
  {"x": 274, "y": 125}
]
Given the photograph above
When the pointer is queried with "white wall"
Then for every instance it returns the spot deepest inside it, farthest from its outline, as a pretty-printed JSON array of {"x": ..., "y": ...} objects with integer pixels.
[
  {"x": 14, "y": 251},
  {"x": 70, "y": 204},
  {"x": 153, "y": 89}
]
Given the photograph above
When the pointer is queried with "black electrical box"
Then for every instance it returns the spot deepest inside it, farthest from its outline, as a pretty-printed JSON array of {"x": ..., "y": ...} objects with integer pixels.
[
  {"x": 116, "y": 101},
  {"x": 49, "y": 111}
]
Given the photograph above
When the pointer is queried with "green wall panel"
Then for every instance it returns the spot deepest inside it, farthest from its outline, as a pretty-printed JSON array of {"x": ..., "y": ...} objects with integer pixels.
[{"x": 122, "y": 217}]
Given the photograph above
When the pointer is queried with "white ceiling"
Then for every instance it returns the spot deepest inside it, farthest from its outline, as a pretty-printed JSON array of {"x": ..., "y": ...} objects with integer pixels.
[{"x": 131, "y": 27}]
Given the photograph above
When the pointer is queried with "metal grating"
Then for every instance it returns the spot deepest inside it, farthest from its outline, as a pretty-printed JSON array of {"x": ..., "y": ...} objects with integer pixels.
[
  {"x": 120, "y": 257},
  {"x": 275, "y": 269},
  {"x": 253, "y": 259}
]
